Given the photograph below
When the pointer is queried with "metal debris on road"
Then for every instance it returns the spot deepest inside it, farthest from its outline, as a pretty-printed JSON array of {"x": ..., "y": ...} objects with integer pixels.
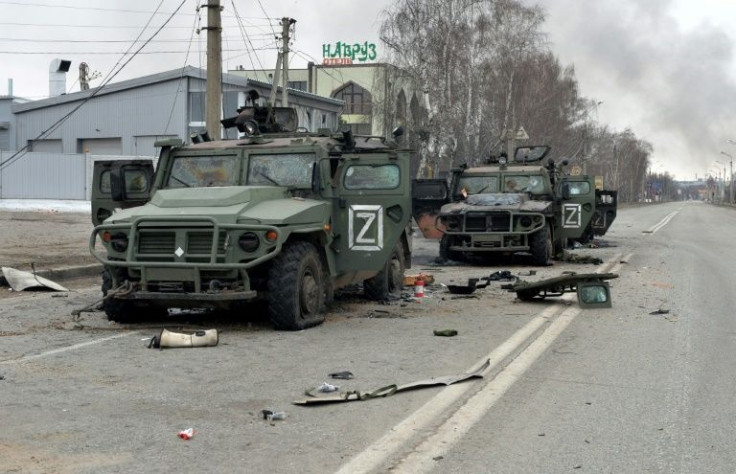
[
  {"x": 389, "y": 390},
  {"x": 445, "y": 332},
  {"x": 272, "y": 415},
  {"x": 186, "y": 434},
  {"x": 20, "y": 280},
  {"x": 661, "y": 311},
  {"x": 343, "y": 375}
]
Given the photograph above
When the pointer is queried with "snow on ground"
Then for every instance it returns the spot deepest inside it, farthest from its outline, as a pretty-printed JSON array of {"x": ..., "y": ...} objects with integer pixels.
[{"x": 53, "y": 205}]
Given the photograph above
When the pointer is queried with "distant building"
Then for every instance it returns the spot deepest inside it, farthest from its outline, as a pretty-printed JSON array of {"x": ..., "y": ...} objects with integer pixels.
[
  {"x": 127, "y": 117},
  {"x": 376, "y": 99},
  {"x": 7, "y": 121}
]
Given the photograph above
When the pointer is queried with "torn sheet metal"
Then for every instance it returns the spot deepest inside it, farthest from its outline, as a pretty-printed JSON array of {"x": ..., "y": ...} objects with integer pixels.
[
  {"x": 20, "y": 280},
  {"x": 389, "y": 390}
]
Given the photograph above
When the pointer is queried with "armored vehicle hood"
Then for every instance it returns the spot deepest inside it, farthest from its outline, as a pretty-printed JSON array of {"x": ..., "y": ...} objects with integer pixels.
[
  {"x": 255, "y": 204},
  {"x": 496, "y": 201}
]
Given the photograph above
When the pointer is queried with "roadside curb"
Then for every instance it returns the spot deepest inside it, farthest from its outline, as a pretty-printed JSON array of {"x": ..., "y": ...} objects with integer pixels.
[{"x": 68, "y": 273}]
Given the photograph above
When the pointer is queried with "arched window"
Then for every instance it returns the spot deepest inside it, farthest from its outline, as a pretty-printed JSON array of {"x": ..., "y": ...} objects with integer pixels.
[{"x": 357, "y": 100}]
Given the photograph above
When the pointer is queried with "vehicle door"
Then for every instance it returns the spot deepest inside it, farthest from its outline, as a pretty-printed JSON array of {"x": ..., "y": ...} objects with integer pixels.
[
  {"x": 606, "y": 203},
  {"x": 427, "y": 197},
  {"x": 373, "y": 208},
  {"x": 577, "y": 207},
  {"x": 119, "y": 184}
]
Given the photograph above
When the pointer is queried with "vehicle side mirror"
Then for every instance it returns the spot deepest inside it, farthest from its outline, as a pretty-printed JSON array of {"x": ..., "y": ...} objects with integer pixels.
[
  {"x": 596, "y": 294},
  {"x": 565, "y": 190}
]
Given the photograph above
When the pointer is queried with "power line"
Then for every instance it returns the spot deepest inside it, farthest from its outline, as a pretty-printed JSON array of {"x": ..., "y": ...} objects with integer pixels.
[
  {"x": 246, "y": 40},
  {"x": 107, "y": 27},
  {"x": 23, "y": 151},
  {"x": 265, "y": 48},
  {"x": 34, "y": 40}
]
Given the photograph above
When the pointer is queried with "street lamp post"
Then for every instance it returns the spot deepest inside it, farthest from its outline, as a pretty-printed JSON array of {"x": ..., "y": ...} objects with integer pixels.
[{"x": 730, "y": 180}]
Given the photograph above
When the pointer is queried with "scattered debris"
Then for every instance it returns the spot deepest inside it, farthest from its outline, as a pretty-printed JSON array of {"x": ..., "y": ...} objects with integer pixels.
[
  {"x": 582, "y": 259},
  {"x": 411, "y": 280},
  {"x": 186, "y": 434},
  {"x": 445, "y": 332},
  {"x": 389, "y": 390},
  {"x": 166, "y": 338},
  {"x": 661, "y": 311},
  {"x": 20, "y": 281},
  {"x": 327, "y": 388},
  {"x": 591, "y": 288},
  {"x": 505, "y": 275},
  {"x": 529, "y": 273},
  {"x": 2, "y": 377},
  {"x": 419, "y": 289},
  {"x": 272, "y": 415},
  {"x": 467, "y": 289},
  {"x": 342, "y": 375}
]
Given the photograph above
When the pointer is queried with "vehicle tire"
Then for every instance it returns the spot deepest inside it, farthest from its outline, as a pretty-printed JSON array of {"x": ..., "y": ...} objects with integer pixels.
[
  {"x": 390, "y": 280},
  {"x": 560, "y": 247},
  {"x": 296, "y": 288},
  {"x": 540, "y": 245},
  {"x": 446, "y": 253},
  {"x": 125, "y": 311}
]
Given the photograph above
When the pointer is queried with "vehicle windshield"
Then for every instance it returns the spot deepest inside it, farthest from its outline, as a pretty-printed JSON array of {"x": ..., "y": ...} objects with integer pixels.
[
  {"x": 203, "y": 171},
  {"x": 477, "y": 184},
  {"x": 523, "y": 184},
  {"x": 286, "y": 169}
]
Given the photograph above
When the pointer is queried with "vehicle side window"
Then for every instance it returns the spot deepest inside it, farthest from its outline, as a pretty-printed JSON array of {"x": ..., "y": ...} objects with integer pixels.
[
  {"x": 372, "y": 177},
  {"x": 136, "y": 181},
  {"x": 105, "y": 185},
  {"x": 579, "y": 188}
]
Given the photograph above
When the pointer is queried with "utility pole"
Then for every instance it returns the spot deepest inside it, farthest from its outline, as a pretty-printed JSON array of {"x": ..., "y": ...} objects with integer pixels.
[
  {"x": 282, "y": 64},
  {"x": 214, "y": 69}
]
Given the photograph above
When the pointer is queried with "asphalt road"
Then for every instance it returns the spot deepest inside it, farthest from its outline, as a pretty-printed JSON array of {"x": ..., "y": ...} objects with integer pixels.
[{"x": 609, "y": 390}]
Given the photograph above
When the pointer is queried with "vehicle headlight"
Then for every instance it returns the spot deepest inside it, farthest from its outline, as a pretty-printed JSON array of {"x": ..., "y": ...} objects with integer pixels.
[
  {"x": 249, "y": 242},
  {"x": 118, "y": 241},
  {"x": 525, "y": 221}
]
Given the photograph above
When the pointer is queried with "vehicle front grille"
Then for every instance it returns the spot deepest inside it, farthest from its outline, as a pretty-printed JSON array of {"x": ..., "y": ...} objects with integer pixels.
[
  {"x": 162, "y": 244},
  {"x": 488, "y": 222},
  {"x": 156, "y": 242},
  {"x": 201, "y": 243}
]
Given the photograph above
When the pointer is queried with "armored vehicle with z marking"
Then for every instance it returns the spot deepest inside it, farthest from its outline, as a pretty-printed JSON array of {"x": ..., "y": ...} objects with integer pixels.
[
  {"x": 501, "y": 207},
  {"x": 280, "y": 215}
]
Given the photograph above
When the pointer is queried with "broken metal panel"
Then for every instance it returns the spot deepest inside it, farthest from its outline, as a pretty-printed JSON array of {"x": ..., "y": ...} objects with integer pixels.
[{"x": 20, "y": 280}]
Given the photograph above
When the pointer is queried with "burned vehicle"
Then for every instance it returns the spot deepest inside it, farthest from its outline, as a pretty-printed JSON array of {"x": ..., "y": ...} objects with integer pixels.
[
  {"x": 280, "y": 215},
  {"x": 502, "y": 207}
]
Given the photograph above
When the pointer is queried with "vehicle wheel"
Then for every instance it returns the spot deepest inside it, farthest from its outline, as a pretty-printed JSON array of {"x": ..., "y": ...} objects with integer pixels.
[
  {"x": 560, "y": 247},
  {"x": 296, "y": 288},
  {"x": 389, "y": 281},
  {"x": 446, "y": 253},
  {"x": 124, "y": 311},
  {"x": 541, "y": 246}
]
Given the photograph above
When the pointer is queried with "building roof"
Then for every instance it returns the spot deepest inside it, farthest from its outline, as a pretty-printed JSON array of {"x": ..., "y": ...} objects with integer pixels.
[{"x": 174, "y": 74}]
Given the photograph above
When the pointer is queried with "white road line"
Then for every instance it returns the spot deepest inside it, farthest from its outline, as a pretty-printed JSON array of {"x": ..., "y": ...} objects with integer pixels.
[
  {"x": 458, "y": 425},
  {"x": 377, "y": 453},
  {"x": 662, "y": 223},
  {"x": 67, "y": 348},
  {"x": 398, "y": 436}
]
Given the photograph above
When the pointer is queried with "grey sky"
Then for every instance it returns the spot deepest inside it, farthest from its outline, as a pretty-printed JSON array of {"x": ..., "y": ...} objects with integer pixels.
[{"x": 664, "y": 68}]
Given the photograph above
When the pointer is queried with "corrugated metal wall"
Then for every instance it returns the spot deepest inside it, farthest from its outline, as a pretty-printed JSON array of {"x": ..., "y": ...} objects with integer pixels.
[
  {"x": 157, "y": 109},
  {"x": 43, "y": 176},
  {"x": 51, "y": 175}
]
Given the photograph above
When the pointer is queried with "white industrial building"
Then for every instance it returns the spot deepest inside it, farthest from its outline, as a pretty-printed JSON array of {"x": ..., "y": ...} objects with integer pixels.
[{"x": 124, "y": 119}]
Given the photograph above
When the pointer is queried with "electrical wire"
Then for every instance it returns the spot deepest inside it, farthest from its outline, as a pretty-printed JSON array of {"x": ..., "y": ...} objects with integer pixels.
[
  {"x": 247, "y": 41},
  {"x": 181, "y": 78},
  {"x": 23, "y": 151}
]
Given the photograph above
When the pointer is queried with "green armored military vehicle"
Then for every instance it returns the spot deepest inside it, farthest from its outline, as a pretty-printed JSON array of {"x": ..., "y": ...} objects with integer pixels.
[
  {"x": 279, "y": 215},
  {"x": 502, "y": 207}
]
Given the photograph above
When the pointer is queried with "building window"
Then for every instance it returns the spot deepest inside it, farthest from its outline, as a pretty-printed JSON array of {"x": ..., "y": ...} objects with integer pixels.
[
  {"x": 298, "y": 85},
  {"x": 357, "y": 100}
]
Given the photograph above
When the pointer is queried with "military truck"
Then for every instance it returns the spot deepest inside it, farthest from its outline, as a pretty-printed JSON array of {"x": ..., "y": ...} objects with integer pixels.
[
  {"x": 507, "y": 207},
  {"x": 279, "y": 215}
]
